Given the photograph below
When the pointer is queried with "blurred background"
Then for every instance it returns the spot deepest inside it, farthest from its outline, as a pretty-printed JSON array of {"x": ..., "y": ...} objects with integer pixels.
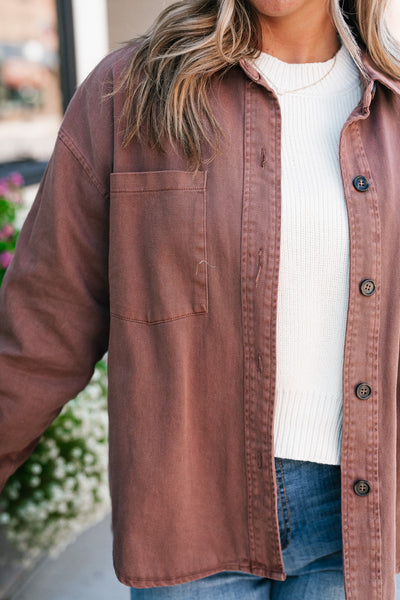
[
  {"x": 56, "y": 510},
  {"x": 47, "y": 47}
]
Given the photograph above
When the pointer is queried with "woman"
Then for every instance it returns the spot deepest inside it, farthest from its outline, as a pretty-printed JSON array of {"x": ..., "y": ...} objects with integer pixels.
[{"x": 221, "y": 212}]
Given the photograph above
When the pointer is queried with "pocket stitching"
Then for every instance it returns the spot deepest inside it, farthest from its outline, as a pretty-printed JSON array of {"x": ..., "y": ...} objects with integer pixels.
[
  {"x": 157, "y": 189},
  {"x": 200, "y": 300},
  {"x": 166, "y": 320}
]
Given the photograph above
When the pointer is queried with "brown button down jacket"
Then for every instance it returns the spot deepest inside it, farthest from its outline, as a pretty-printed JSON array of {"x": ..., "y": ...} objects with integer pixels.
[{"x": 176, "y": 274}]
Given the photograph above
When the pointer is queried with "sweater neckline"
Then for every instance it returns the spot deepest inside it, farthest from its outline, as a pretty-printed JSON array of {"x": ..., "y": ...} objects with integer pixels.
[{"x": 282, "y": 76}]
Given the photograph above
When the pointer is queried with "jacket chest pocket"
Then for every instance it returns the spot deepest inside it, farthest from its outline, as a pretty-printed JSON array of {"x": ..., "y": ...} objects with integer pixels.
[{"x": 157, "y": 268}]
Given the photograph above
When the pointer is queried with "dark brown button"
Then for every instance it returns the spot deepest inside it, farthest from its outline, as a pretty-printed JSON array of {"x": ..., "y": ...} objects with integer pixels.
[
  {"x": 367, "y": 287},
  {"x": 361, "y": 183},
  {"x": 363, "y": 391},
  {"x": 362, "y": 488}
]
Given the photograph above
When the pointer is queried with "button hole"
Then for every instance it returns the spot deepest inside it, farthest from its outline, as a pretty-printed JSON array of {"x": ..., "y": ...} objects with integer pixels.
[
  {"x": 259, "y": 363},
  {"x": 259, "y": 460},
  {"x": 260, "y": 265},
  {"x": 263, "y": 157}
]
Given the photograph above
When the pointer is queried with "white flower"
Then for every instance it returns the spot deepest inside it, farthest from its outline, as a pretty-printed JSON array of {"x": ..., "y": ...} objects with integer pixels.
[
  {"x": 13, "y": 493},
  {"x": 59, "y": 473},
  {"x": 35, "y": 481},
  {"x": 4, "y": 518},
  {"x": 93, "y": 392},
  {"x": 88, "y": 459},
  {"x": 27, "y": 510},
  {"x": 63, "y": 507},
  {"x": 36, "y": 468},
  {"x": 50, "y": 443},
  {"x": 69, "y": 483},
  {"x": 77, "y": 484},
  {"x": 53, "y": 453},
  {"x": 56, "y": 492},
  {"x": 76, "y": 452},
  {"x": 91, "y": 444}
]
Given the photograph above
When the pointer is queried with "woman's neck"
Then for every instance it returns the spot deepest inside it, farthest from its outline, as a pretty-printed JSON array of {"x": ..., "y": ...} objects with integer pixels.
[{"x": 300, "y": 38}]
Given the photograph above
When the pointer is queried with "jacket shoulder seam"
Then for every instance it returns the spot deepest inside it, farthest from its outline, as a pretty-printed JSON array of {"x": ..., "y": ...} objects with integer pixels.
[{"x": 77, "y": 154}]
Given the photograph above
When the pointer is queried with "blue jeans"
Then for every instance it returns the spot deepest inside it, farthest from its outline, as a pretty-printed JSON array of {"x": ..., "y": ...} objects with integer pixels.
[{"x": 309, "y": 510}]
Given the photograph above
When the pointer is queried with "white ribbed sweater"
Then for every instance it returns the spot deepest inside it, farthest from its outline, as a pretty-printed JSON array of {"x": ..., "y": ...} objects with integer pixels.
[{"x": 314, "y": 260}]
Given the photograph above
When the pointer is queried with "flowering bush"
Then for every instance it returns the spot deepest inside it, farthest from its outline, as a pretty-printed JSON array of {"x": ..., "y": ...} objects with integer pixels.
[
  {"x": 10, "y": 200},
  {"x": 63, "y": 487}
]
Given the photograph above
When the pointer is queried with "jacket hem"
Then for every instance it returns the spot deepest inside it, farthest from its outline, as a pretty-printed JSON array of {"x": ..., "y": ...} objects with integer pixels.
[{"x": 253, "y": 569}]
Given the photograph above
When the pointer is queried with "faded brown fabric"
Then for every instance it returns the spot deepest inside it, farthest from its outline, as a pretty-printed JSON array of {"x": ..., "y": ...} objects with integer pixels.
[{"x": 176, "y": 274}]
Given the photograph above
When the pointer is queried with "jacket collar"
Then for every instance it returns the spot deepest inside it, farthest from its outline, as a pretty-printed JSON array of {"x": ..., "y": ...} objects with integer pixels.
[{"x": 375, "y": 74}]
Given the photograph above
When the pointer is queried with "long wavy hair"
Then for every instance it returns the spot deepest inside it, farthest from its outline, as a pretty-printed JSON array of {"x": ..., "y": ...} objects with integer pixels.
[{"x": 167, "y": 80}]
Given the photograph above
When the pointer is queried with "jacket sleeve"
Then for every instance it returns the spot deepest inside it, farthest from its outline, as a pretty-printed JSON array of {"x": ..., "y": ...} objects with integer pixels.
[{"x": 54, "y": 306}]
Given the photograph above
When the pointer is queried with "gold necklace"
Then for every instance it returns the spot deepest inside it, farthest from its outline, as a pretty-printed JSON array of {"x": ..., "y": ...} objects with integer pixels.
[{"x": 278, "y": 93}]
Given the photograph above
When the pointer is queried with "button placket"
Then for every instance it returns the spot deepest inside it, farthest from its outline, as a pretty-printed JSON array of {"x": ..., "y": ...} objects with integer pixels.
[
  {"x": 260, "y": 240},
  {"x": 360, "y": 421}
]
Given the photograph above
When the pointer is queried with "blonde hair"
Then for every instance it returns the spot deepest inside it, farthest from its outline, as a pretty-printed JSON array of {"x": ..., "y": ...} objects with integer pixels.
[
  {"x": 365, "y": 21},
  {"x": 167, "y": 80}
]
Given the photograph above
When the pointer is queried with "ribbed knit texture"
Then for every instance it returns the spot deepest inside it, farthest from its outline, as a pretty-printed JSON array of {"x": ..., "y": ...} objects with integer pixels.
[{"x": 314, "y": 260}]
